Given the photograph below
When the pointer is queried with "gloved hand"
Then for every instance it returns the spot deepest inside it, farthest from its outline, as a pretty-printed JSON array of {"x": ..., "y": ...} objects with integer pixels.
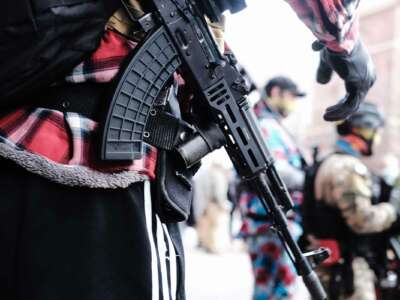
[{"x": 357, "y": 71}]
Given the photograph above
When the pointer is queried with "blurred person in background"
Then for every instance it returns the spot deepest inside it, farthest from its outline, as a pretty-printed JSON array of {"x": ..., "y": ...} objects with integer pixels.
[
  {"x": 386, "y": 257},
  {"x": 211, "y": 207},
  {"x": 341, "y": 212},
  {"x": 273, "y": 271}
]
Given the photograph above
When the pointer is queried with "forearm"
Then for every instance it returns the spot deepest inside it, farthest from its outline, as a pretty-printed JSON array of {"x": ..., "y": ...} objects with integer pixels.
[
  {"x": 365, "y": 218},
  {"x": 334, "y": 24}
]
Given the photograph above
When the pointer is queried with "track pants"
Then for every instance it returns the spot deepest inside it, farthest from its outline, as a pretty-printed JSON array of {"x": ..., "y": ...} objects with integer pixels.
[{"x": 60, "y": 242}]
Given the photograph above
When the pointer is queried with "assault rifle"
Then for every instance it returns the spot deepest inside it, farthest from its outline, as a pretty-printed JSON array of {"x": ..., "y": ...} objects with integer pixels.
[{"x": 178, "y": 37}]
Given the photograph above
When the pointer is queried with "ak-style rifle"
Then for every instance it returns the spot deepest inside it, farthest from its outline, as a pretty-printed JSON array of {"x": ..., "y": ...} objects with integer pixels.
[{"x": 178, "y": 38}]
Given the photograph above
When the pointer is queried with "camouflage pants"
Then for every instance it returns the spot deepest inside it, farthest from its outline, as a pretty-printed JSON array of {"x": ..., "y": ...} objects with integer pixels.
[{"x": 274, "y": 274}]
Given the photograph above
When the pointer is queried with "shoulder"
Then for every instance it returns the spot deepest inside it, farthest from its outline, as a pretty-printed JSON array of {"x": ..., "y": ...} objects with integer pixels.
[
  {"x": 341, "y": 175},
  {"x": 344, "y": 164}
]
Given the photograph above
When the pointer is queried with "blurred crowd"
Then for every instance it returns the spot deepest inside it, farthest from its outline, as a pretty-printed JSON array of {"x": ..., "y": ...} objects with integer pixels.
[{"x": 340, "y": 203}]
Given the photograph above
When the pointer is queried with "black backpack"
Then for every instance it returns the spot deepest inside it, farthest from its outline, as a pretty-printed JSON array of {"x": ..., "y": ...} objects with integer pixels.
[
  {"x": 42, "y": 40},
  {"x": 318, "y": 218},
  {"x": 308, "y": 206}
]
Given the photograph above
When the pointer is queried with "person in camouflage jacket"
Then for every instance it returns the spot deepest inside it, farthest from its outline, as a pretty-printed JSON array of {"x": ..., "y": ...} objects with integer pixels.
[{"x": 344, "y": 201}]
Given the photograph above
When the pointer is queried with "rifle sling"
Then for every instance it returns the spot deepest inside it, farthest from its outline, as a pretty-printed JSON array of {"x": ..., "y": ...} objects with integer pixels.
[{"x": 85, "y": 99}]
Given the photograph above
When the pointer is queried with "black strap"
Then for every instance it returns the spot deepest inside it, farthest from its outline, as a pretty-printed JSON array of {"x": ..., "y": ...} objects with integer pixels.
[
  {"x": 163, "y": 130},
  {"x": 87, "y": 99}
]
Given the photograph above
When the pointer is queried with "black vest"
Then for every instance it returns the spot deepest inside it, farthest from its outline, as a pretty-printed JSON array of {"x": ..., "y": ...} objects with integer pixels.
[
  {"x": 320, "y": 219},
  {"x": 42, "y": 40}
]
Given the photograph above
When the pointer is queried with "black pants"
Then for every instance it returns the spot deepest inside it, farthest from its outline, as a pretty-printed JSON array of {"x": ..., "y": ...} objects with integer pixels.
[{"x": 60, "y": 242}]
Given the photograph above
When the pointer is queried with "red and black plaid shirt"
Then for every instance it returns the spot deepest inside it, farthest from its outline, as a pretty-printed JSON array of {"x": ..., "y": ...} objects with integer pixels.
[
  {"x": 68, "y": 138},
  {"x": 333, "y": 22}
]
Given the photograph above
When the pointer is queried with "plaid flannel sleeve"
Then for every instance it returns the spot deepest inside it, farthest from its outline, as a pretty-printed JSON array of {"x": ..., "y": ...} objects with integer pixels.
[{"x": 333, "y": 22}]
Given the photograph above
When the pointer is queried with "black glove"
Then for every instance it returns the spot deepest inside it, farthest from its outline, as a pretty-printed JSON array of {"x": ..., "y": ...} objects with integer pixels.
[{"x": 357, "y": 71}]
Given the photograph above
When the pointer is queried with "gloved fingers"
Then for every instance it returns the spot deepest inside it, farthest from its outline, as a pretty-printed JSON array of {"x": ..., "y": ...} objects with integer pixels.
[
  {"x": 324, "y": 72},
  {"x": 317, "y": 45},
  {"x": 344, "y": 108},
  {"x": 357, "y": 71}
]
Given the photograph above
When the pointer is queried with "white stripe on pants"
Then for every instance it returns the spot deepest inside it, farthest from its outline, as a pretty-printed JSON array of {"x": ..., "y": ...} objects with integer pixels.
[{"x": 160, "y": 242}]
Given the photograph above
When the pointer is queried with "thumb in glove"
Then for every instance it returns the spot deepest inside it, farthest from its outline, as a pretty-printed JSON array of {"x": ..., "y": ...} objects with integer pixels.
[
  {"x": 357, "y": 71},
  {"x": 324, "y": 71}
]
